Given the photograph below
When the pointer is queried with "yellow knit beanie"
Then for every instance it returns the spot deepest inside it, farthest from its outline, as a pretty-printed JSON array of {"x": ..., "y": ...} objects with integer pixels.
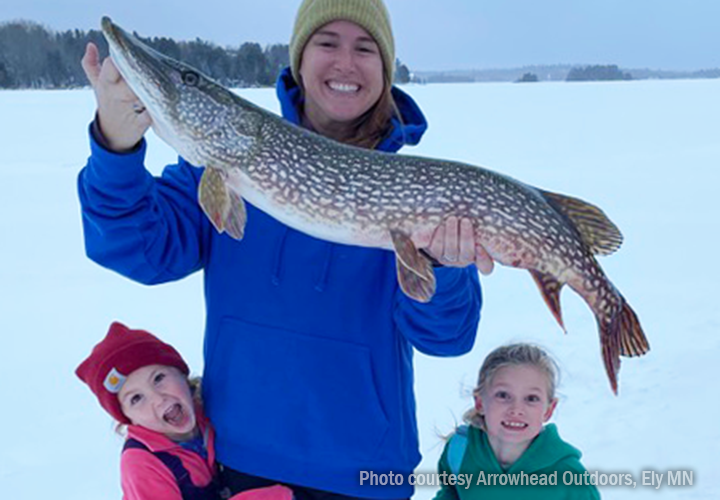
[{"x": 371, "y": 15}]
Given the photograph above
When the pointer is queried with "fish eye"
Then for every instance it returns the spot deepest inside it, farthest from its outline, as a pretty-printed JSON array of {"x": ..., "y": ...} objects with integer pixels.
[{"x": 190, "y": 78}]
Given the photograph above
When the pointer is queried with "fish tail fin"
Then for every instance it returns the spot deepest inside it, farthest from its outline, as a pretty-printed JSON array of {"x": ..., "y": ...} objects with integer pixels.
[
  {"x": 609, "y": 337},
  {"x": 632, "y": 338},
  {"x": 550, "y": 290},
  {"x": 622, "y": 335}
]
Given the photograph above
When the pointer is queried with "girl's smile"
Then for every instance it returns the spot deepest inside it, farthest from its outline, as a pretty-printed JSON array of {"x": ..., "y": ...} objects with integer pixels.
[{"x": 519, "y": 426}]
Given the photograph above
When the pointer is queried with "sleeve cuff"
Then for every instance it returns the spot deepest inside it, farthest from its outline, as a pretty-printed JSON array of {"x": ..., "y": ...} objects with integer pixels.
[
  {"x": 106, "y": 167},
  {"x": 98, "y": 136}
]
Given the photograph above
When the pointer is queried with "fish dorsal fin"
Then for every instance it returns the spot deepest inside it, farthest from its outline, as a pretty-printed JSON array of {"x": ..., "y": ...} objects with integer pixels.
[{"x": 597, "y": 231}]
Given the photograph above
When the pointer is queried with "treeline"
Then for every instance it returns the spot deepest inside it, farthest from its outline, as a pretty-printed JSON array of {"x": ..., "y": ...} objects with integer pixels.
[
  {"x": 597, "y": 73},
  {"x": 555, "y": 73},
  {"x": 586, "y": 74},
  {"x": 32, "y": 56}
]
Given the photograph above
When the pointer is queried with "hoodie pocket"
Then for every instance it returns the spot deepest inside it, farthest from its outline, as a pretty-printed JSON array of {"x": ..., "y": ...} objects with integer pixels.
[{"x": 286, "y": 392}]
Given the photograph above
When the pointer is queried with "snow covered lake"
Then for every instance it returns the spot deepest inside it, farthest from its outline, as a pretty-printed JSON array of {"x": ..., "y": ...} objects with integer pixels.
[{"x": 646, "y": 152}]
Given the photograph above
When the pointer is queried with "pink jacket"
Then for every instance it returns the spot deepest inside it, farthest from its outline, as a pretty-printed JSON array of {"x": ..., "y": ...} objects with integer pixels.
[{"x": 144, "y": 477}]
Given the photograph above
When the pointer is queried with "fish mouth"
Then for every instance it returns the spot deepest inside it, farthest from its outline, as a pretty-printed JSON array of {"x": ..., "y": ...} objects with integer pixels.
[
  {"x": 109, "y": 29},
  {"x": 150, "y": 74}
]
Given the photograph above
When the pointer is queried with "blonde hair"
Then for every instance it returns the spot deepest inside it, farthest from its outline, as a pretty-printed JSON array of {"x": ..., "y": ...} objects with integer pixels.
[{"x": 512, "y": 355}]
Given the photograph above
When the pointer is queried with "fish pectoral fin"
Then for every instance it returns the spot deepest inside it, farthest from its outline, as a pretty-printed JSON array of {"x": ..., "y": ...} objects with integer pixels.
[
  {"x": 236, "y": 217},
  {"x": 550, "y": 290},
  {"x": 414, "y": 271},
  {"x": 224, "y": 207},
  {"x": 214, "y": 197},
  {"x": 597, "y": 231}
]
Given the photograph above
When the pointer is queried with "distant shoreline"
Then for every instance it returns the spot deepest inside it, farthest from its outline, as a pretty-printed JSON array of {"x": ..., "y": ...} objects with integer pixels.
[{"x": 556, "y": 72}]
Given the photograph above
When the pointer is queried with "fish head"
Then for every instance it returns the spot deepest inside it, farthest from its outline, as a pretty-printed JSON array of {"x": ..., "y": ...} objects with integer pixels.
[{"x": 193, "y": 114}]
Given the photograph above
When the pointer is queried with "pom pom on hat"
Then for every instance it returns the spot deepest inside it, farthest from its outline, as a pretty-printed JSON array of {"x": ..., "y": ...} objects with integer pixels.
[
  {"x": 120, "y": 353},
  {"x": 371, "y": 15}
]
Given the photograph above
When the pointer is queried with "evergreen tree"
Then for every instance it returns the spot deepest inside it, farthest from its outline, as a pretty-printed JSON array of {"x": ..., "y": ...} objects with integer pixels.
[
  {"x": 597, "y": 72},
  {"x": 277, "y": 58},
  {"x": 6, "y": 79},
  {"x": 528, "y": 77},
  {"x": 251, "y": 65},
  {"x": 402, "y": 73}
]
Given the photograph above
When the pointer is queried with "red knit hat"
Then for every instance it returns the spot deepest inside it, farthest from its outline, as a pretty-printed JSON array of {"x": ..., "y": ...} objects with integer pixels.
[{"x": 120, "y": 353}]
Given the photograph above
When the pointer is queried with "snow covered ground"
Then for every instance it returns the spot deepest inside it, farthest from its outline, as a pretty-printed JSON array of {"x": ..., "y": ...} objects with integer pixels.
[{"x": 647, "y": 152}]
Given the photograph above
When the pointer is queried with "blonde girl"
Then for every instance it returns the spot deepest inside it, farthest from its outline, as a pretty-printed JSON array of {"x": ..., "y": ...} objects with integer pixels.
[{"x": 507, "y": 441}]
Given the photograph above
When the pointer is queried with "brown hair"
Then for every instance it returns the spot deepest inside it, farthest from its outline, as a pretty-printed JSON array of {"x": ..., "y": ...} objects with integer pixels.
[
  {"x": 512, "y": 355},
  {"x": 373, "y": 126}
]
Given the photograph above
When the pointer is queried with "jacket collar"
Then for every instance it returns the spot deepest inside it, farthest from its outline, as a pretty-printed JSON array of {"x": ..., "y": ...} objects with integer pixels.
[{"x": 409, "y": 132}]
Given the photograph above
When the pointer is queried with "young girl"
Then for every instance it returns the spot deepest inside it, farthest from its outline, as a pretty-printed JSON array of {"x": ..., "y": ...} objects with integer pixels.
[
  {"x": 506, "y": 441},
  {"x": 143, "y": 383}
]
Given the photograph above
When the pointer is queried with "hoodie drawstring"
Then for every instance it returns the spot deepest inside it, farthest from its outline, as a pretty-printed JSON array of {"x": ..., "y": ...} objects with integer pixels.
[
  {"x": 275, "y": 277},
  {"x": 325, "y": 271}
]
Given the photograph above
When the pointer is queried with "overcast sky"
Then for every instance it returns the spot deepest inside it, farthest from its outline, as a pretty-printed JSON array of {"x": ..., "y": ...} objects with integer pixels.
[{"x": 437, "y": 34}]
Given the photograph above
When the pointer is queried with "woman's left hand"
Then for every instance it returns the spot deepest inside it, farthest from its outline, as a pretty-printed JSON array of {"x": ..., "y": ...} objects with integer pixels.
[{"x": 454, "y": 244}]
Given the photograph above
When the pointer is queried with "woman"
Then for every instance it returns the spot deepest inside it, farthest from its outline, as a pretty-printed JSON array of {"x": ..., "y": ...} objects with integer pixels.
[{"x": 308, "y": 344}]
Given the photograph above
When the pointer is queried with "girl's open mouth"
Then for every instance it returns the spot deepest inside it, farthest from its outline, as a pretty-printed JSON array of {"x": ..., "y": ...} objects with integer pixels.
[{"x": 175, "y": 415}]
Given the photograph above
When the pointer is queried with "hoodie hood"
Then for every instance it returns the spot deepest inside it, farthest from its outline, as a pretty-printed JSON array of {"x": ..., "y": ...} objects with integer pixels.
[
  {"x": 545, "y": 452},
  {"x": 407, "y": 133}
]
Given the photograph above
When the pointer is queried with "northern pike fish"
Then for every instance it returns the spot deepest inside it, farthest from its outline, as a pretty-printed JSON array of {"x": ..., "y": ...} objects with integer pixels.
[{"x": 355, "y": 196}]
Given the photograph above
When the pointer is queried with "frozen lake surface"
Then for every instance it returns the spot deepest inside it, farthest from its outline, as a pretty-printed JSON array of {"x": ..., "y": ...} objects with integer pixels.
[{"x": 646, "y": 152}]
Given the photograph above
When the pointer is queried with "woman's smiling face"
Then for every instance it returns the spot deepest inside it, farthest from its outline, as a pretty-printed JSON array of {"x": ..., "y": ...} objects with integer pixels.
[
  {"x": 515, "y": 405},
  {"x": 342, "y": 75},
  {"x": 158, "y": 398}
]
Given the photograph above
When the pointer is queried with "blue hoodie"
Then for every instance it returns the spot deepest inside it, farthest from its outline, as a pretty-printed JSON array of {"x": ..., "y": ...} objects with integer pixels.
[{"x": 308, "y": 344}]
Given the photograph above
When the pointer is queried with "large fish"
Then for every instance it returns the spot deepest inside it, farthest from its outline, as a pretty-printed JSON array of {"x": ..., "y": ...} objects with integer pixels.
[{"x": 360, "y": 197}]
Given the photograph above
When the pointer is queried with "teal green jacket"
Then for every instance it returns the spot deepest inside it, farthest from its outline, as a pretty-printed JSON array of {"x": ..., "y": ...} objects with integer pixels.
[{"x": 548, "y": 458}]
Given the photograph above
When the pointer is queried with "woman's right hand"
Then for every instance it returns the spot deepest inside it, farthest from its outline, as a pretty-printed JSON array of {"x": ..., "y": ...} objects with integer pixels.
[{"x": 122, "y": 118}]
